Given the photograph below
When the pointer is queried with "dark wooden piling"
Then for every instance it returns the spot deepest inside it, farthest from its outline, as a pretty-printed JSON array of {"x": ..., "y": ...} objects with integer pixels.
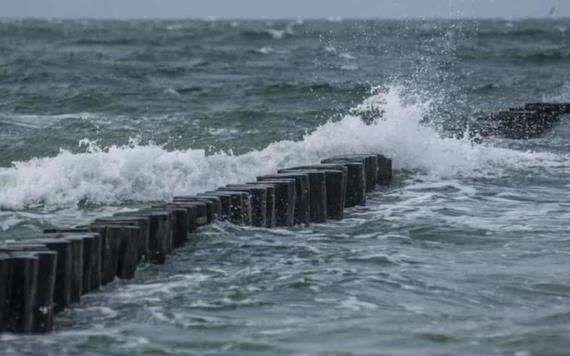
[
  {"x": 517, "y": 123},
  {"x": 20, "y": 311},
  {"x": 232, "y": 206},
  {"x": 160, "y": 231},
  {"x": 63, "y": 270},
  {"x": 5, "y": 287},
  {"x": 143, "y": 223},
  {"x": 191, "y": 214},
  {"x": 558, "y": 108},
  {"x": 214, "y": 204},
  {"x": 269, "y": 201},
  {"x": 77, "y": 252},
  {"x": 336, "y": 180},
  {"x": 356, "y": 181},
  {"x": 318, "y": 192},
  {"x": 120, "y": 250},
  {"x": 302, "y": 191},
  {"x": 384, "y": 170},
  {"x": 180, "y": 224},
  {"x": 275, "y": 194},
  {"x": 210, "y": 207},
  {"x": 109, "y": 251},
  {"x": 284, "y": 206},
  {"x": 91, "y": 261},
  {"x": 204, "y": 210},
  {"x": 225, "y": 203},
  {"x": 76, "y": 267},
  {"x": 370, "y": 162},
  {"x": 258, "y": 202},
  {"x": 242, "y": 214},
  {"x": 43, "y": 308},
  {"x": 43, "y": 303}
]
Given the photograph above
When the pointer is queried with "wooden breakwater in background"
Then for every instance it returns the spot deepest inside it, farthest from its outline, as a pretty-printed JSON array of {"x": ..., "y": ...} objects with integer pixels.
[
  {"x": 42, "y": 276},
  {"x": 518, "y": 123}
]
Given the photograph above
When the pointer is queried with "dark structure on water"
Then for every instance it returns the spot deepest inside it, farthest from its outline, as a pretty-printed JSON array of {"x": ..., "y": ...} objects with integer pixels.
[
  {"x": 41, "y": 277},
  {"x": 526, "y": 122}
]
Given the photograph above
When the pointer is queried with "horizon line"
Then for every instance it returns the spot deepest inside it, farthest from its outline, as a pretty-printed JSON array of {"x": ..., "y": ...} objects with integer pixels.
[{"x": 264, "y": 18}]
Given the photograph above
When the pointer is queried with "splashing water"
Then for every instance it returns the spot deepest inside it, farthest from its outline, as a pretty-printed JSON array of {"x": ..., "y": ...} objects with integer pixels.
[{"x": 144, "y": 173}]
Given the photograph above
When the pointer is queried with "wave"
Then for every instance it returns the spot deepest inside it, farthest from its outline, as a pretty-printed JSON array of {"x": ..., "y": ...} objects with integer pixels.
[
  {"x": 41, "y": 121},
  {"x": 144, "y": 173},
  {"x": 270, "y": 33}
]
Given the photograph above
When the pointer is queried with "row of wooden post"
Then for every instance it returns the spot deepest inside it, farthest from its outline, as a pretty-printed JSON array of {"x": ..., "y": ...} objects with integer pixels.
[
  {"x": 42, "y": 276},
  {"x": 529, "y": 121}
]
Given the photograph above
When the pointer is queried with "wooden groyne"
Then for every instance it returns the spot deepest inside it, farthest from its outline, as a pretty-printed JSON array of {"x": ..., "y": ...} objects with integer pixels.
[
  {"x": 42, "y": 276},
  {"x": 529, "y": 121}
]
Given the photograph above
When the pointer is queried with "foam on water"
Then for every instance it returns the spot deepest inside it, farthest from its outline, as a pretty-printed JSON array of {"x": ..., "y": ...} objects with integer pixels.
[{"x": 150, "y": 173}]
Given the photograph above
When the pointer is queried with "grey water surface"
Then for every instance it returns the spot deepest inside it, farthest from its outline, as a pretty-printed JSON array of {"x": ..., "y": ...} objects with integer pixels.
[{"x": 467, "y": 252}]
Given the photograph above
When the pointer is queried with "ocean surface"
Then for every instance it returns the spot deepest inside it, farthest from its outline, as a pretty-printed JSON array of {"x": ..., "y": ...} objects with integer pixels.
[{"x": 466, "y": 253}]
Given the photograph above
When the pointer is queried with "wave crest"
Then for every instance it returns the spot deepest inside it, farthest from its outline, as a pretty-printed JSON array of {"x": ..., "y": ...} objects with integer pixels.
[{"x": 135, "y": 172}]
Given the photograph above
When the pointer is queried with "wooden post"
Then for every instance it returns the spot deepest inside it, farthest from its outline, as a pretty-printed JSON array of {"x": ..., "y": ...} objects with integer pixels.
[
  {"x": 180, "y": 224},
  {"x": 302, "y": 191},
  {"x": 63, "y": 270},
  {"x": 370, "y": 162},
  {"x": 285, "y": 195},
  {"x": 356, "y": 181},
  {"x": 142, "y": 222},
  {"x": 336, "y": 179},
  {"x": 384, "y": 170},
  {"x": 270, "y": 218},
  {"x": 241, "y": 206},
  {"x": 91, "y": 260},
  {"x": 258, "y": 202},
  {"x": 214, "y": 204},
  {"x": 20, "y": 312},
  {"x": 77, "y": 266},
  {"x": 228, "y": 208},
  {"x": 160, "y": 231},
  {"x": 318, "y": 193},
  {"x": 265, "y": 189},
  {"x": 5, "y": 287},
  {"x": 43, "y": 302}
]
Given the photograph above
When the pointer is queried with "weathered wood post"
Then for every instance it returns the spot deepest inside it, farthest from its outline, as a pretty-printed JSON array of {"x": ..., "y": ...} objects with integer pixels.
[
  {"x": 302, "y": 191},
  {"x": 384, "y": 170},
  {"x": 43, "y": 302},
  {"x": 285, "y": 195},
  {"x": 63, "y": 270},
  {"x": 370, "y": 162},
  {"x": 76, "y": 242},
  {"x": 242, "y": 203},
  {"x": 258, "y": 202},
  {"x": 5, "y": 287},
  {"x": 214, "y": 204},
  {"x": 336, "y": 180},
  {"x": 356, "y": 181},
  {"x": 225, "y": 203},
  {"x": 160, "y": 232},
  {"x": 269, "y": 203},
  {"x": 143, "y": 223},
  {"x": 232, "y": 206},
  {"x": 318, "y": 193},
  {"x": 180, "y": 224},
  {"x": 20, "y": 311}
]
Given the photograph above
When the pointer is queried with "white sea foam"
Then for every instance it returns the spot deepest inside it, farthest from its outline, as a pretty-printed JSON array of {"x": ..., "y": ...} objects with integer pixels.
[{"x": 149, "y": 172}]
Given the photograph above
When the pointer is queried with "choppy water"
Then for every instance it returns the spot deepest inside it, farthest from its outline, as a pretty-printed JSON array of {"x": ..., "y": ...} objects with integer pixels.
[{"x": 468, "y": 252}]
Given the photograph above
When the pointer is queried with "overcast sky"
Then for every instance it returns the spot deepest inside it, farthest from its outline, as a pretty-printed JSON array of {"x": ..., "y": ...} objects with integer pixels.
[{"x": 283, "y": 8}]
